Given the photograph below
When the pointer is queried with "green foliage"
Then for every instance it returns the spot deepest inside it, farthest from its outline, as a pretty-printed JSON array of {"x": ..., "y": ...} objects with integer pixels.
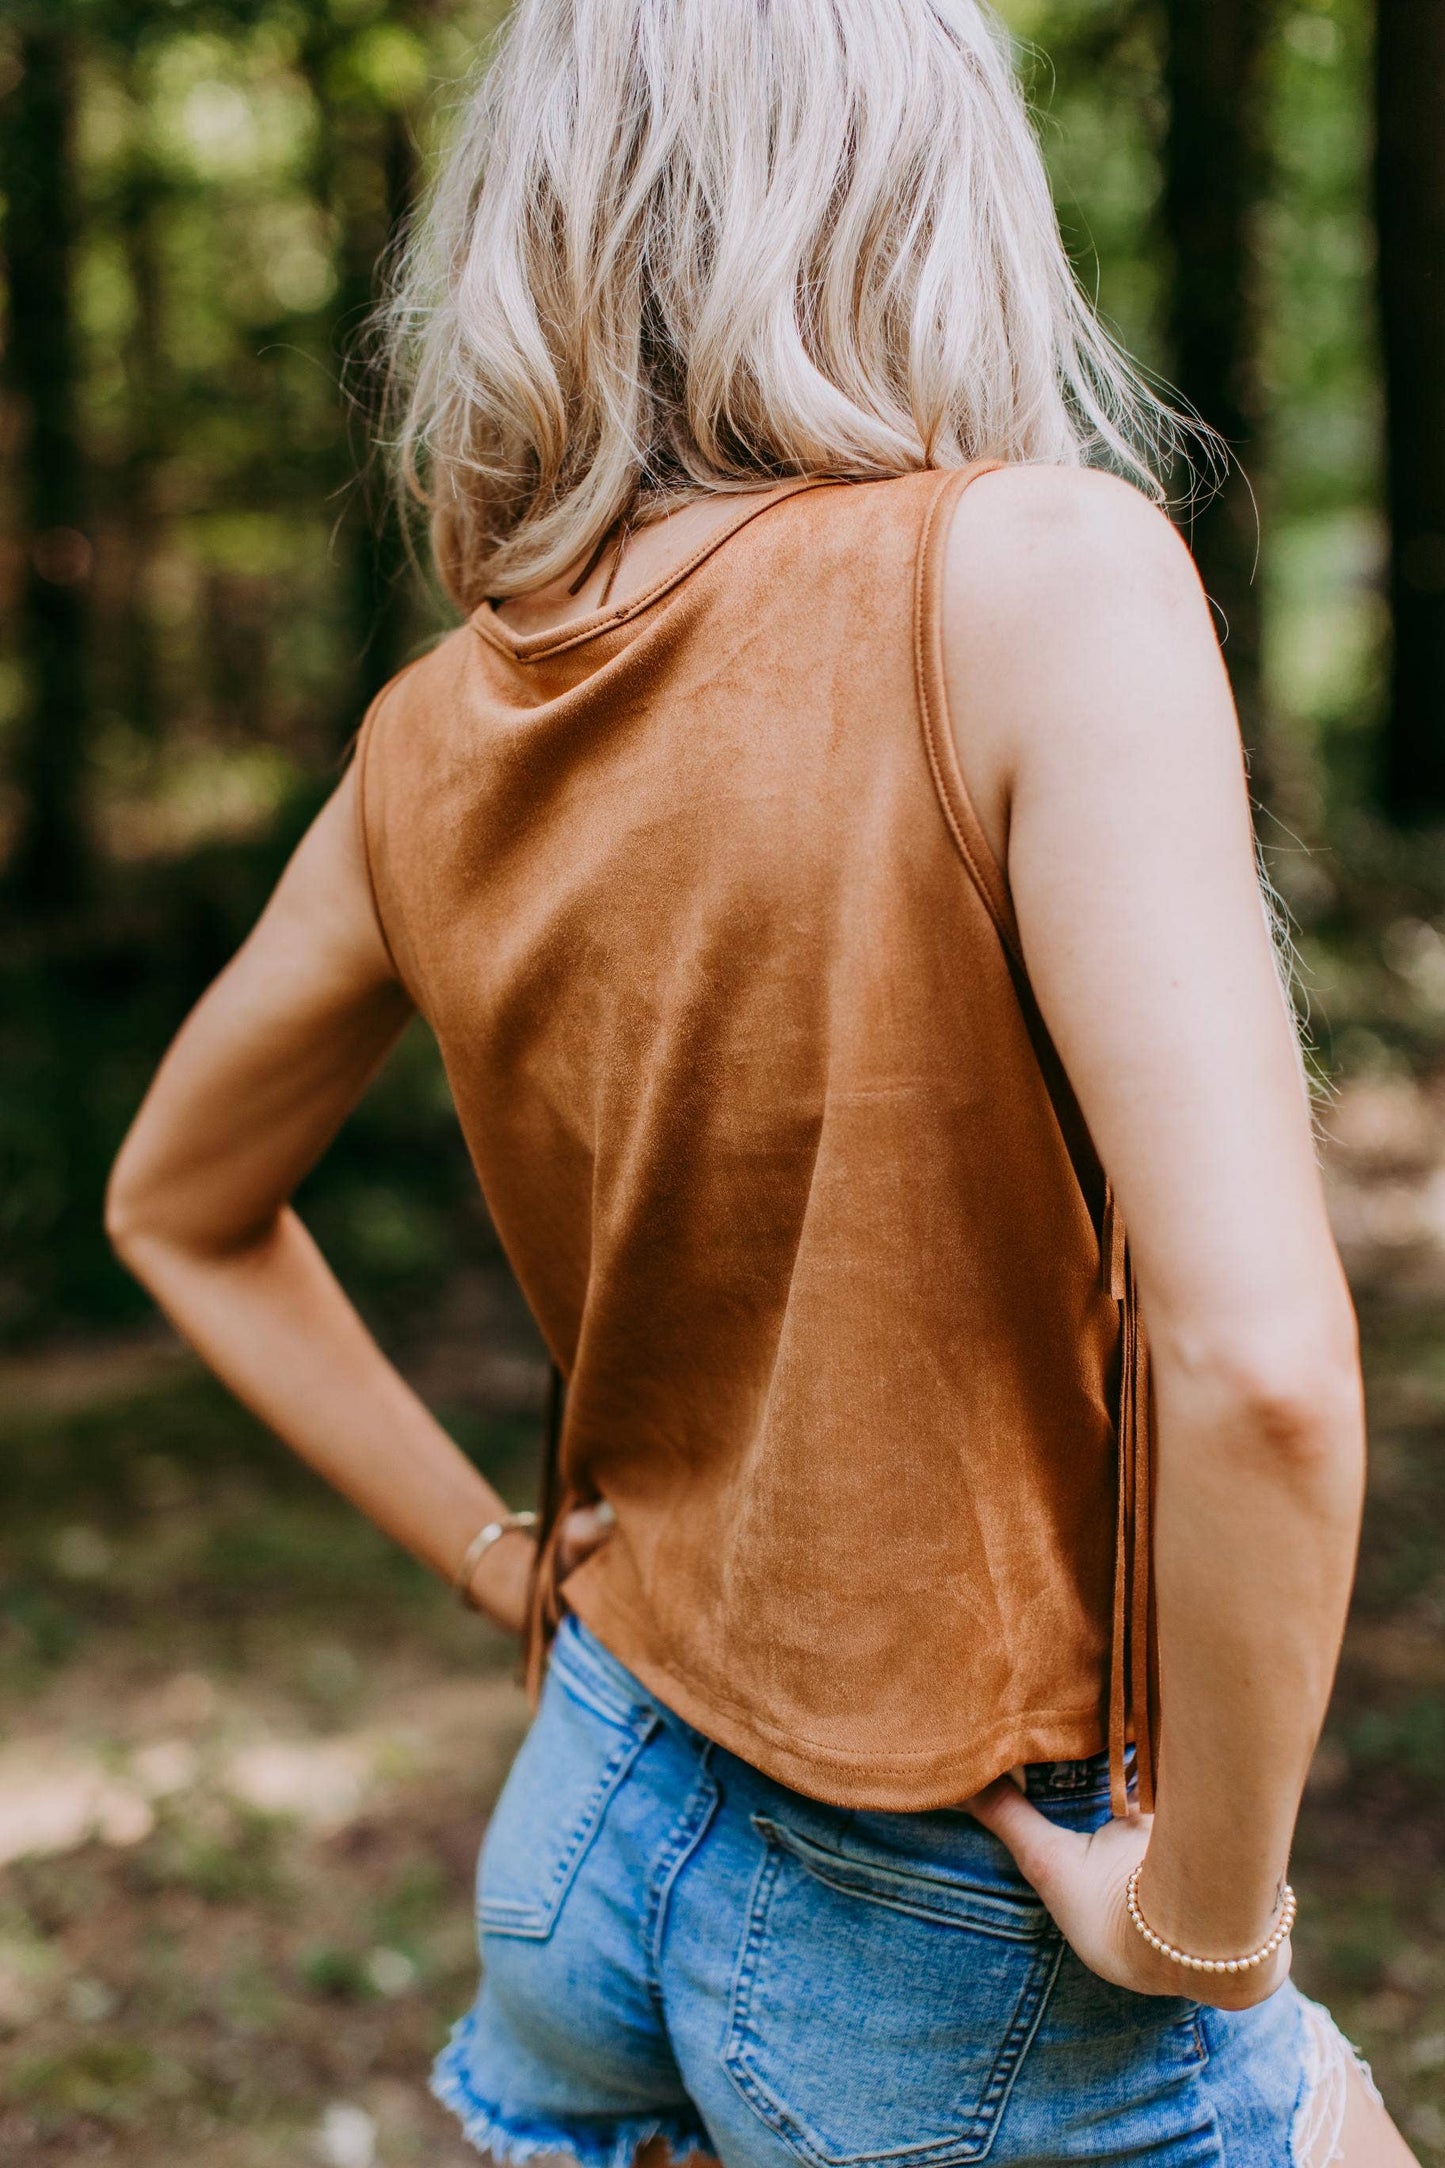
[
  {"x": 337, "y": 1973},
  {"x": 105, "y": 2078},
  {"x": 82, "y": 1025},
  {"x": 238, "y": 163},
  {"x": 1409, "y": 1738},
  {"x": 232, "y": 1856}
]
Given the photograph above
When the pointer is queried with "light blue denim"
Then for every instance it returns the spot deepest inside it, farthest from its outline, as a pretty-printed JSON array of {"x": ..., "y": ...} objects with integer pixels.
[{"x": 673, "y": 1944}]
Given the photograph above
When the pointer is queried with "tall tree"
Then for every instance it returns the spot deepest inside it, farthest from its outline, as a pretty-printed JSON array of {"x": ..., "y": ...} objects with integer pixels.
[
  {"x": 48, "y": 870},
  {"x": 139, "y": 210},
  {"x": 1410, "y": 206},
  {"x": 364, "y": 177},
  {"x": 1215, "y": 169},
  {"x": 374, "y": 206}
]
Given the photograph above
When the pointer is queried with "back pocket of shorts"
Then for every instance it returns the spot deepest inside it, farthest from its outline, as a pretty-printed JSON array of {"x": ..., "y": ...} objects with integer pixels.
[
  {"x": 569, "y": 1766},
  {"x": 881, "y": 2014}
]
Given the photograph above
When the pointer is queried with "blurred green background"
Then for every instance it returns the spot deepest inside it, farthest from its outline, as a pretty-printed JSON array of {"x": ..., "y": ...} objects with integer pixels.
[{"x": 245, "y": 1751}]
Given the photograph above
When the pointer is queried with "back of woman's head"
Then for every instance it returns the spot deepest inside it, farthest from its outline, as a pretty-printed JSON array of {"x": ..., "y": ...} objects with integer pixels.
[{"x": 684, "y": 245}]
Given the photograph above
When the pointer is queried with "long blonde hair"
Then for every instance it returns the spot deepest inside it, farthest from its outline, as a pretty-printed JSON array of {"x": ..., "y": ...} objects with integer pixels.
[{"x": 692, "y": 245}]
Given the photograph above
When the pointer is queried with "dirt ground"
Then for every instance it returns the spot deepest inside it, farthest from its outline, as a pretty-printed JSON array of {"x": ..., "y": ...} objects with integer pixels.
[{"x": 247, "y": 1753}]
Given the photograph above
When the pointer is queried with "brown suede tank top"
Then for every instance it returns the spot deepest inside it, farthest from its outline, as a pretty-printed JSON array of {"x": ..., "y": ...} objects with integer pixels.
[{"x": 729, "y": 992}]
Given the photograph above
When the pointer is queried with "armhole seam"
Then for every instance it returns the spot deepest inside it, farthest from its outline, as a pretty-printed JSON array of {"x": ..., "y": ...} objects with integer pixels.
[
  {"x": 962, "y": 820},
  {"x": 361, "y": 747},
  {"x": 957, "y": 806}
]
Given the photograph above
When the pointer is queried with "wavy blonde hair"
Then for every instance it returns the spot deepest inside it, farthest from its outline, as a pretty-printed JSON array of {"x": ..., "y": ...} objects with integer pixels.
[{"x": 681, "y": 246}]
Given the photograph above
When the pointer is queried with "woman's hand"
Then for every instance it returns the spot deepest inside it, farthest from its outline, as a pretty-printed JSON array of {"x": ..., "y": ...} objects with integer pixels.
[
  {"x": 502, "y": 1583},
  {"x": 1081, "y": 1880}
]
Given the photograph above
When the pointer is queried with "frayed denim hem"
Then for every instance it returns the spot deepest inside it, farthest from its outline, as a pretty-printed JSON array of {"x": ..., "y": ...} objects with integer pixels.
[
  {"x": 1319, "y": 2117},
  {"x": 592, "y": 2141}
]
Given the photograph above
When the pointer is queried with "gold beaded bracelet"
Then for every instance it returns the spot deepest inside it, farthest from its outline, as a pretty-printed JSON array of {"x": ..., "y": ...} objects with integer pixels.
[
  {"x": 1278, "y": 1934},
  {"x": 480, "y": 1544}
]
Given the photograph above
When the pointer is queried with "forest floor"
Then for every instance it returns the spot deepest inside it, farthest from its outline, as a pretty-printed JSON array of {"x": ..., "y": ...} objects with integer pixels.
[{"x": 247, "y": 1752}]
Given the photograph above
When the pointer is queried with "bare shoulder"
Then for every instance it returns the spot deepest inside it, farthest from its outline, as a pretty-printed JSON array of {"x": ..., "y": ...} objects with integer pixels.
[
  {"x": 1055, "y": 541},
  {"x": 1078, "y": 648},
  {"x": 1072, "y": 609}
]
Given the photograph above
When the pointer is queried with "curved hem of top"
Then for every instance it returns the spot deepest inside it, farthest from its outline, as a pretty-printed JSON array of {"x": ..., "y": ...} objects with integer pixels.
[
  {"x": 916, "y": 1783},
  {"x": 603, "y": 2142}
]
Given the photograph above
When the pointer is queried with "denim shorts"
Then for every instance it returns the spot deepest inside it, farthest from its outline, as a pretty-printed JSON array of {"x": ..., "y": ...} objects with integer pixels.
[{"x": 675, "y": 1946}]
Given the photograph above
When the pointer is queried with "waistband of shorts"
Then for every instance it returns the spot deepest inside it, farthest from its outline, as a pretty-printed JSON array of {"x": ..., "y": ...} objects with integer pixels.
[
  {"x": 591, "y": 1669},
  {"x": 1079, "y": 1782}
]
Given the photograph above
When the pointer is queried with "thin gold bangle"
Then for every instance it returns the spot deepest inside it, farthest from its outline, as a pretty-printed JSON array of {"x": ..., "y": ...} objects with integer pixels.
[
  {"x": 1278, "y": 1934},
  {"x": 477, "y": 1549}
]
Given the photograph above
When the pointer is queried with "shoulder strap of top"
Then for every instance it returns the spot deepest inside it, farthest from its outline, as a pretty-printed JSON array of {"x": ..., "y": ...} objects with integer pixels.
[{"x": 963, "y": 822}]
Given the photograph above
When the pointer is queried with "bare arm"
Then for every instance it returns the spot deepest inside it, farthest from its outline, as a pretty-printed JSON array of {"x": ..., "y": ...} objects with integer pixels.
[
  {"x": 256, "y": 1085},
  {"x": 1094, "y": 724}
]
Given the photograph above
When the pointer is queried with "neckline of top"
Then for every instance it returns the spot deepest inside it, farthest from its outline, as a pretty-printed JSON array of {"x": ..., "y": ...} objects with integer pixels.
[{"x": 554, "y": 639}]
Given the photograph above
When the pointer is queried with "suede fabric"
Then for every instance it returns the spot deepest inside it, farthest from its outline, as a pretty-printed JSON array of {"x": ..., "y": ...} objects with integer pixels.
[{"x": 728, "y": 995}]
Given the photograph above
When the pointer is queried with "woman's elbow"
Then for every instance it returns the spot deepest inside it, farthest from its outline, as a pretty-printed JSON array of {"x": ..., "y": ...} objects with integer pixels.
[
  {"x": 1289, "y": 1390},
  {"x": 1311, "y": 1424},
  {"x": 140, "y": 1203},
  {"x": 129, "y": 1216},
  {"x": 169, "y": 1218}
]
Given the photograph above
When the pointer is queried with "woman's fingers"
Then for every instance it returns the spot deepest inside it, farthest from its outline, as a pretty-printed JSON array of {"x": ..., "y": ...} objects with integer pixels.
[
  {"x": 1040, "y": 1850},
  {"x": 1082, "y": 1881},
  {"x": 583, "y": 1531}
]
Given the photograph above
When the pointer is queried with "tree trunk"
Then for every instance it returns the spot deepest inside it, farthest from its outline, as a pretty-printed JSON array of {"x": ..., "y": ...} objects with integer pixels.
[
  {"x": 150, "y": 402},
  {"x": 1410, "y": 206},
  {"x": 48, "y": 870},
  {"x": 1214, "y": 175},
  {"x": 378, "y": 602},
  {"x": 364, "y": 177}
]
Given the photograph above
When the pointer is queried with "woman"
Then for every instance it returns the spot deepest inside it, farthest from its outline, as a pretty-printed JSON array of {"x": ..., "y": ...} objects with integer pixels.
[{"x": 822, "y": 851}]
